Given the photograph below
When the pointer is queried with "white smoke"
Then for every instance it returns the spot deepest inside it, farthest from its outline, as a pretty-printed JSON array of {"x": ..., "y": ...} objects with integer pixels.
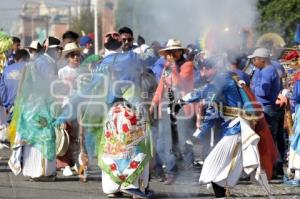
[{"x": 190, "y": 20}]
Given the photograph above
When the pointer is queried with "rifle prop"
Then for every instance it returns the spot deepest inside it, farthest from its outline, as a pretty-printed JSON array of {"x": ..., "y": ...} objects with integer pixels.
[{"x": 173, "y": 120}]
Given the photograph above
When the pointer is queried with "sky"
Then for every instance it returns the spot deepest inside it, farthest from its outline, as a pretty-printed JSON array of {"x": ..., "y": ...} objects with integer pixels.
[{"x": 9, "y": 10}]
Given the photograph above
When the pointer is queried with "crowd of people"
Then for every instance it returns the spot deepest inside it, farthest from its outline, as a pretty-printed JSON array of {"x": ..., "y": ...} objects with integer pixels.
[{"x": 141, "y": 110}]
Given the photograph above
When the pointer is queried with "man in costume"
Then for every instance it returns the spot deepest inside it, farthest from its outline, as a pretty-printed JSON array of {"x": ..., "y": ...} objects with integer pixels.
[
  {"x": 31, "y": 130},
  {"x": 5, "y": 43},
  {"x": 227, "y": 101},
  {"x": 124, "y": 146},
  {"x": 12, "y": 52},
  {"x": 10, "y": 79},
  {"x": 294, "y": 155}
]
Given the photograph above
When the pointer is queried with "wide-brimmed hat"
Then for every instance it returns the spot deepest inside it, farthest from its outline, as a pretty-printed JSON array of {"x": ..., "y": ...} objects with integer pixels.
[
  {"x": 34, "y": 45},
  {"x": 52, "y": 42},
  {"x": 62, "y": 142},
  {"x": 260, "y": 52},
  {"x": 173, "y": 44},
  {"x": 70, "y": 47}
]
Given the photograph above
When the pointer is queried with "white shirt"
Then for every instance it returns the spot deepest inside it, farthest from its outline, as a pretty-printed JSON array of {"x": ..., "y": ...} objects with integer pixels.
[{"x": 68, "y": 75}]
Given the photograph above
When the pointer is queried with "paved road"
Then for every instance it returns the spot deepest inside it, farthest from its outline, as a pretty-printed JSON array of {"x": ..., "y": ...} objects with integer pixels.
[{"x": 18, "y": 187}]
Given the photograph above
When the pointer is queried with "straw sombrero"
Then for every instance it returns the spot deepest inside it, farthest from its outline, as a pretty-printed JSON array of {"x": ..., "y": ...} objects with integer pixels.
[
  {"x": 62, "y": 142},
  {"x": 173, "y": 44},
  {"x": 70, "y": 47},
  {"x": 34, "y": 45}
]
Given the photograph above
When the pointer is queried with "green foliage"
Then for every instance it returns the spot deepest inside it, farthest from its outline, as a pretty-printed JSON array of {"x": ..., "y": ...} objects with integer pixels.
[
  {"x": 80, "y": 23},
  {"x": 85, "y": 22},
  {"x": 280, "y": 16},
  {"x": 5, "y": 41}
]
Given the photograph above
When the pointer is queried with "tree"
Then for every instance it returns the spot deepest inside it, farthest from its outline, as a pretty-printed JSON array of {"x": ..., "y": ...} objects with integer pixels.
[
  {"x": 279, "y": 16},
  {"x": 85, "y": 21}
]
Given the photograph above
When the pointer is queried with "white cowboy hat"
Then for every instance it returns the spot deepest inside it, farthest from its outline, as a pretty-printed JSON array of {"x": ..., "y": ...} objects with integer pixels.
[
  {"x": 173, "y": 44},
  {"x": 70, "y": 47},
  {"x": 34, "y": 45}
]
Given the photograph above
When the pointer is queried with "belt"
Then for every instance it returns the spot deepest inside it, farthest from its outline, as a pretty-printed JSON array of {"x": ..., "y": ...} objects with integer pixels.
[{"x": 238, "y": 112}]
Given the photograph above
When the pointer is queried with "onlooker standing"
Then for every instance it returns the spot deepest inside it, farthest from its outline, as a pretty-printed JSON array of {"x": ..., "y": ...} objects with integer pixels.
[
  {"x": 68, "y": 74},
  {"x": 266, "y": 86},
  {"x": 69, "y": 37},
  {"x": 86, "y": 43},
  {"x": 127, "y": 38},
  {"x": 35, "y": 49},
  {"x": 177, "y": 74},
  {"x": 11, "y": 77},
  {"x": 12, "y": 52}
]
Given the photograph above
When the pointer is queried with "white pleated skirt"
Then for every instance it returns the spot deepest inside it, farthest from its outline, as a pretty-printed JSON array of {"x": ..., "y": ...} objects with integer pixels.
[
  {"x": 224, "y": 164},
  {"x": 35, "y": 165}
]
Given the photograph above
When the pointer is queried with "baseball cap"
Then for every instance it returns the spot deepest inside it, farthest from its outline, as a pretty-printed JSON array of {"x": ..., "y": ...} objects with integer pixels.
[
  {"x": 260, "y": 52},
  {"x": 84, "y": 40}
]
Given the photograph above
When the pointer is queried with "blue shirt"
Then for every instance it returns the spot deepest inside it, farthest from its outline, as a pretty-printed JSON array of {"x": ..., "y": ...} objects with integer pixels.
[
  {"x": 279, "y": 68},
  {"x": 10, "y": 82},
  {"x": 222, "y": 90},
  {"x": 296, "y": 92},
  {"x": 266, "y": 85},
  {"x": 157, "y": 67},
  {"x": 10, "y": 58}
]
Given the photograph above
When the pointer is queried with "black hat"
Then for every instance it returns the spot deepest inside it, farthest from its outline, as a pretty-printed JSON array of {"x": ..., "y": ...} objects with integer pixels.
[{"x": 52, "y": 42}]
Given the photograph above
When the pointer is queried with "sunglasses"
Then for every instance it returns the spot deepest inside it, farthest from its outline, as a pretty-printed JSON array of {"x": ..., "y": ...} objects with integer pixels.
[{"x": 74, "y": 54}]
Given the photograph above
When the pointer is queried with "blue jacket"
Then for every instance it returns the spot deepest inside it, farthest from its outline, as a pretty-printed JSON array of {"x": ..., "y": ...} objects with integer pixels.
[
  {"x": 221, "y": 90},
  {"x": 9, "y": 83}
]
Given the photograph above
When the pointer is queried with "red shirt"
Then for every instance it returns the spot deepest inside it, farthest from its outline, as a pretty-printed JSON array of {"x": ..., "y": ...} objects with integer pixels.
[{"x": 182, "y": 80}]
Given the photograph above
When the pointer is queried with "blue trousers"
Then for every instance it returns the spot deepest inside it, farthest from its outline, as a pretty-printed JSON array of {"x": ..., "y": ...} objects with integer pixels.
[{"x": 164, "y": 143}]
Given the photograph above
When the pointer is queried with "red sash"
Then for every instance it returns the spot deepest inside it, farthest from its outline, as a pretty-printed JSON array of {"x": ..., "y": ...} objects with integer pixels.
[{"x": 267, "y": 149}]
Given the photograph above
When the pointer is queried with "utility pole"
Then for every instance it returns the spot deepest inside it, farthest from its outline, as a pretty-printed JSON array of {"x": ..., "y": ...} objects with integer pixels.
[{"x": 96, "y": 27}]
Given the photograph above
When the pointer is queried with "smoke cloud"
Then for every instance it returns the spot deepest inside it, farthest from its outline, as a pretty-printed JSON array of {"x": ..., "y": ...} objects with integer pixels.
[{"x": 190, "y": 20}]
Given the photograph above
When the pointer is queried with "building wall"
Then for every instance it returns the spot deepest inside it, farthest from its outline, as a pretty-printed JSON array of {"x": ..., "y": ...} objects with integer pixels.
[
  {"x": 58, "y": 29},
  {"x": 30, "y": 25},
  {"x": 107, "y": 11}
]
